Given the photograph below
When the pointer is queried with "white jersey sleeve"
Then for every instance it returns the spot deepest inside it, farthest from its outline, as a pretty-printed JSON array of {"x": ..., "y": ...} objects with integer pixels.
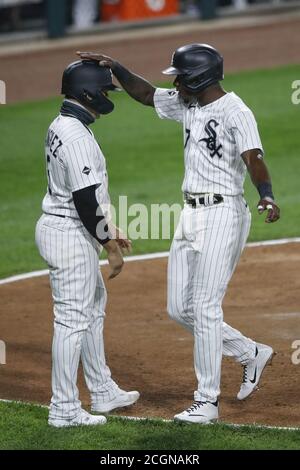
[
  {"x": 168, "y": 104},
  {"x": 243, "y": 127},
  {"x": 81, "y": 159}
]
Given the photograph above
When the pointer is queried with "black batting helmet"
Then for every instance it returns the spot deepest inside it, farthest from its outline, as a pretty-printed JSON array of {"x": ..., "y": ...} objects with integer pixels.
[
  {"x": 197, "y": 66},
  {"x": 85, "y": 80}
]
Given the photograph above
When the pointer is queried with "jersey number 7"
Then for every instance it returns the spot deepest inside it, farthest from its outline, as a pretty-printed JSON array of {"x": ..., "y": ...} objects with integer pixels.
[{"x": 188, "y": 135}]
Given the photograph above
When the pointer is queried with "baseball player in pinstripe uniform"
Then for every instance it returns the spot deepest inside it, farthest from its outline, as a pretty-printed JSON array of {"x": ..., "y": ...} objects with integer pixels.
[
  {"x": 74, "y": 226},
  {"x": 221, "y": 141}
]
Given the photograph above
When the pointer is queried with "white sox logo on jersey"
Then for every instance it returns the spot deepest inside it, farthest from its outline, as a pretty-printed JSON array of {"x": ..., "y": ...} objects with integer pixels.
[
  {"x": 215, "y": 136},
  {"x": 211, "y": 140}
]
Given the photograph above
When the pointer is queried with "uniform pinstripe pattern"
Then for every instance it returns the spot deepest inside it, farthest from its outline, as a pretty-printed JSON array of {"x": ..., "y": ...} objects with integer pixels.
[
  {"x": 77, "y": 163},
  {"x": 209, "y": 239},
  {"x": 203, "y": 255},
  {"x": 74, "y": 161},
  {"x": 79, "y": 298},
  {"x": 236, "y": 131}
]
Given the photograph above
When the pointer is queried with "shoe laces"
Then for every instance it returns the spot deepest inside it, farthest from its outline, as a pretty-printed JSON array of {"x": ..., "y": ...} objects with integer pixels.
[
  {"x": 245, "y": 373},
  {"x": 195, "y": 406}
]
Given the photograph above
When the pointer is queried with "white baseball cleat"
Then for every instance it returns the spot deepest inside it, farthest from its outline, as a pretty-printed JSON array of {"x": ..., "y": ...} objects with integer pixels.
[
  {"x": 201, "y": 412},
  {"x": 122, "y": 399},
  {"x": 253, "y": 370},
  {"x": 82, "y": 419}
]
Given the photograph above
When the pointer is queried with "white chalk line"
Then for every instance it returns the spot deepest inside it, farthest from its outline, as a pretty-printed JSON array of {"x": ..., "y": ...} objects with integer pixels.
[
  {"x": 162, "y": 254},
  {"x": 155, "y": 420}
]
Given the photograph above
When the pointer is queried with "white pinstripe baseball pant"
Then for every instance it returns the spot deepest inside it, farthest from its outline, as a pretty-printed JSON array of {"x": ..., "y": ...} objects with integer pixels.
[
  {"x": 79, "y": 298},
  {"x": 206, "y": 248}
]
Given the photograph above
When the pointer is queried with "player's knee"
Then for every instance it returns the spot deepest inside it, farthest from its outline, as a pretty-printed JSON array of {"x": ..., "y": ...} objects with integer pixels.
[
  {"x": 72, "y": 317},
  {"x": 207, "y": 316}
]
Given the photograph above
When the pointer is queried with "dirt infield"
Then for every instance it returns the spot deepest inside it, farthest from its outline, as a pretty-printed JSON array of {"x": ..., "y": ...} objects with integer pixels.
[
  {"x": 35, "y": 75},
  {"x": 148, "y": 352}
]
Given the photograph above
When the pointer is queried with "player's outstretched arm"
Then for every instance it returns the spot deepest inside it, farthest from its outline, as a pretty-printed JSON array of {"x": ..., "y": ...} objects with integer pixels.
[
  {"x": 136, "y": 86},
  {"x": 262, "y": 181}
]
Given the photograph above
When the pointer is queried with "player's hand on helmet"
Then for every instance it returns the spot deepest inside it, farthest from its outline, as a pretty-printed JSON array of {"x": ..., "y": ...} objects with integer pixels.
[
  {"x": 103, "y": 60},
  {"x": 114, "y": 257},
  {"x": 270, "y": 206}
]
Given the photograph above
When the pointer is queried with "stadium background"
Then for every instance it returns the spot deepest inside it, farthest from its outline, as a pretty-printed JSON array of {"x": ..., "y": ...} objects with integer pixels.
[{"x": 260, "y": 43}]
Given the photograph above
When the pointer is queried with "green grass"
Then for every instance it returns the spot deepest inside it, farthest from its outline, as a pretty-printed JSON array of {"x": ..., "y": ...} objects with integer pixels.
[
  {"x": 25, "y": 427},
  {"x": 144, "y": 158}
]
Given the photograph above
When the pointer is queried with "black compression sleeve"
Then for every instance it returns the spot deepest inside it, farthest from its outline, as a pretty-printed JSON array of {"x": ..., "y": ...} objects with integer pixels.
[
  {"x": 90, "y": 213},
  {"x": 265, "y": 190}
]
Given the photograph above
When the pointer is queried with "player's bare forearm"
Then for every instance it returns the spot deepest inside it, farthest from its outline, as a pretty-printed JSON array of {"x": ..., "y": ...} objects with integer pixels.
[
  {"x": 256, "y": 167},
  {"x": 137, "y": 87},
  {"x": 261, "y": 179}
]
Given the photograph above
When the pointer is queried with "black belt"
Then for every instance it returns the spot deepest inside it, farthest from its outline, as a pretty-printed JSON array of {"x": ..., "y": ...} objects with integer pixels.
[
  {"x": 56, "y": 215},
  {"x": 205, "y": 200}
]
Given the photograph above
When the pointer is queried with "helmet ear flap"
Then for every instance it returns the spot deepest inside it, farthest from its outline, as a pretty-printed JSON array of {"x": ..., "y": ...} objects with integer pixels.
[
  {"x": 83, "y": 80},
  {"x": 87, "y": 96},
  {"x": 197, "y": 66},
  {"x": 195, "y": 83}
]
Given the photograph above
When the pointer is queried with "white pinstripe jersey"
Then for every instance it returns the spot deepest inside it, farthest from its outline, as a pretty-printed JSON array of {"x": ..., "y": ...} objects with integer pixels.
[
  {"x": 215, "y": 136},
  {"x": 74, "y": 161}
]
